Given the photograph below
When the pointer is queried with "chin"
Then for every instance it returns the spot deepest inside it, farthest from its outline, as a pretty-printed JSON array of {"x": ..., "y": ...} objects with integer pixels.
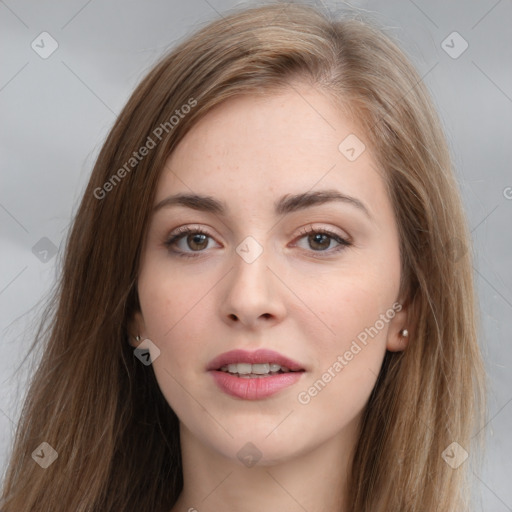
[{"x": 255, "y": 448}]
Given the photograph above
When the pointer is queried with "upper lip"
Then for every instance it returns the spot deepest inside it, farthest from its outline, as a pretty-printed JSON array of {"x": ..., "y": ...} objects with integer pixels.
[{"x": 258, "y": 356}]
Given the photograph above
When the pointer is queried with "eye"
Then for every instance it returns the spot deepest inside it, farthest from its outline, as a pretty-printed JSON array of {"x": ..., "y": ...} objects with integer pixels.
[
  {"x": 188, "y": 240},
  {"x": 320, "y": 240}
]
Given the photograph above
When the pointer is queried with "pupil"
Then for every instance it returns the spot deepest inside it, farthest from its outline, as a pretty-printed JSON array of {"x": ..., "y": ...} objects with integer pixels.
[
  {"x": 197, "y": 238},
  {"x": 317, "y": 238}
]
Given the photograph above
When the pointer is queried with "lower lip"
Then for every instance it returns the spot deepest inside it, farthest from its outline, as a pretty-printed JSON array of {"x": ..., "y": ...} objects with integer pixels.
[{"x": 254, "y": 388}]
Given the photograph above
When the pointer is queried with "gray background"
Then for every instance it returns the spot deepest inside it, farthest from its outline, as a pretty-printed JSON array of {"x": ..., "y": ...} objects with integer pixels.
[{"x": 56, "y": 113}]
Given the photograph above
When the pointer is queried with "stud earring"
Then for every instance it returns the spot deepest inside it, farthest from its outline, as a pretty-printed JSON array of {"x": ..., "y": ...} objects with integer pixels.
[{"x": 404, "y": 333}]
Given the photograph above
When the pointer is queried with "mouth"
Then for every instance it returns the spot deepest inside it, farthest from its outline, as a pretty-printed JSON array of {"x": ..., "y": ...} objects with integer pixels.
[
  {"x": 254, "y": 375},
  {"x": 255, "y": 371},
  {"x": 260, "y": 362}
]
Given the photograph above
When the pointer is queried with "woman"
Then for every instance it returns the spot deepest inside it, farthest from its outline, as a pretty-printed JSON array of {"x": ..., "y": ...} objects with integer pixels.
[{"x": 267, "y": 296}]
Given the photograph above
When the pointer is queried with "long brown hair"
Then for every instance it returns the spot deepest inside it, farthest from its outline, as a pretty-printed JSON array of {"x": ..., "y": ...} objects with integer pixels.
[{"x": 102, "y": 411}]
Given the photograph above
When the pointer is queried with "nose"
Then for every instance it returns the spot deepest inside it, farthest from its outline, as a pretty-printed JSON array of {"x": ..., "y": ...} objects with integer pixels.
[{"x": 253, "y": 294}]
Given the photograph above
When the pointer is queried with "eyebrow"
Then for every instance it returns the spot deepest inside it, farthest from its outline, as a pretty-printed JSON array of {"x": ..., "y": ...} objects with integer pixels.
[{"x": 286, "y": 204}]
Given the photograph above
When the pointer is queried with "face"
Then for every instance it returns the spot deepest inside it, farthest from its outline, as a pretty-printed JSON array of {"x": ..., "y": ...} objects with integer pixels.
[{"x": 295, "y": 250}]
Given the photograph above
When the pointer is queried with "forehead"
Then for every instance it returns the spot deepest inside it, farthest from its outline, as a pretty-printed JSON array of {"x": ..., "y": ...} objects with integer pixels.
[{"x": 287, "y": 142}]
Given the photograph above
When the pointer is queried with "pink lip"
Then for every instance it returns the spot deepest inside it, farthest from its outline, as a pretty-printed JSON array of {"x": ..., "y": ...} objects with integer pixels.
[{"x": 254, "y": 388}]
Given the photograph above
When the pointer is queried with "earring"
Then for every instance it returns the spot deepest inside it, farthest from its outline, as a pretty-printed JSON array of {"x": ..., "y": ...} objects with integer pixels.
[
  {"x": 137, "y": 338},
  {"x": 404, "y": 333}
]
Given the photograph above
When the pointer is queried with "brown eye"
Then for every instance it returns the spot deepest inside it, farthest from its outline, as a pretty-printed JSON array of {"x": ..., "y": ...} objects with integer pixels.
[
  {"x": 319, "y": 241},
  {"x": 197, "y": 241},
  {"x": 186, "y": 241}
]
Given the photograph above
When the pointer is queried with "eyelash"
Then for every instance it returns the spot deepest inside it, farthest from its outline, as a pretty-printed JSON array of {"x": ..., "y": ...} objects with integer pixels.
[{"x": 187, "y": 230}]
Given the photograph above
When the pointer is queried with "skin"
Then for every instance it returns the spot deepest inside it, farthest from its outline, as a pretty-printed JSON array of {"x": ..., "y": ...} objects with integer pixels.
[{"x": 296, "y": 299}]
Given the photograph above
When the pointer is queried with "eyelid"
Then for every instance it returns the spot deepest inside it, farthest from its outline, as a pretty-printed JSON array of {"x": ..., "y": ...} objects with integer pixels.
[
  {"x": 313, "y": 227},
  {"x": 189, "y": 228}
]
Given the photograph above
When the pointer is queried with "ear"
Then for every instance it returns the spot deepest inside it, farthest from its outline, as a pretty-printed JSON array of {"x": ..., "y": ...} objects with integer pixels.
[
  {"x": 136, "y": 327},
  {"x": 396, "y": 342}
]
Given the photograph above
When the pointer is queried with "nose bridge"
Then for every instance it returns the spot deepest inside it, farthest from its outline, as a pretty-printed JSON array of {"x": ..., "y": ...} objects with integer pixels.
[
  {"x": 252, "y": 288},
  {"x": 250, "y": 267}
]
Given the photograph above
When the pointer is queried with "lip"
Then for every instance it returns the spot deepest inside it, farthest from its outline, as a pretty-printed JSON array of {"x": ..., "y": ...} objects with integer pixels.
[
  {"x": 254, "y": 388},
  {"x": 256, "y": 357}
]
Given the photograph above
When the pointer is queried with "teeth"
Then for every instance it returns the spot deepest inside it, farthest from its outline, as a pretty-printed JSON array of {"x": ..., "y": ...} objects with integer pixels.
[
  {"x": 241, "y": 368},
  {"x": 260, "y": 369},
  {"x": 246, "y": 369}
]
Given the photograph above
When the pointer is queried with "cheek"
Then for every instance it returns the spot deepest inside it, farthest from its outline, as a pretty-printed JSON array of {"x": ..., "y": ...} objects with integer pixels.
[
  {"x": 171, "y": 308},
  {"x": 174, "y": 308},
  {"x": 348, "y": 338},
  {"x": 169, "y": 300},
  {"x": 344, "y": 303}
]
